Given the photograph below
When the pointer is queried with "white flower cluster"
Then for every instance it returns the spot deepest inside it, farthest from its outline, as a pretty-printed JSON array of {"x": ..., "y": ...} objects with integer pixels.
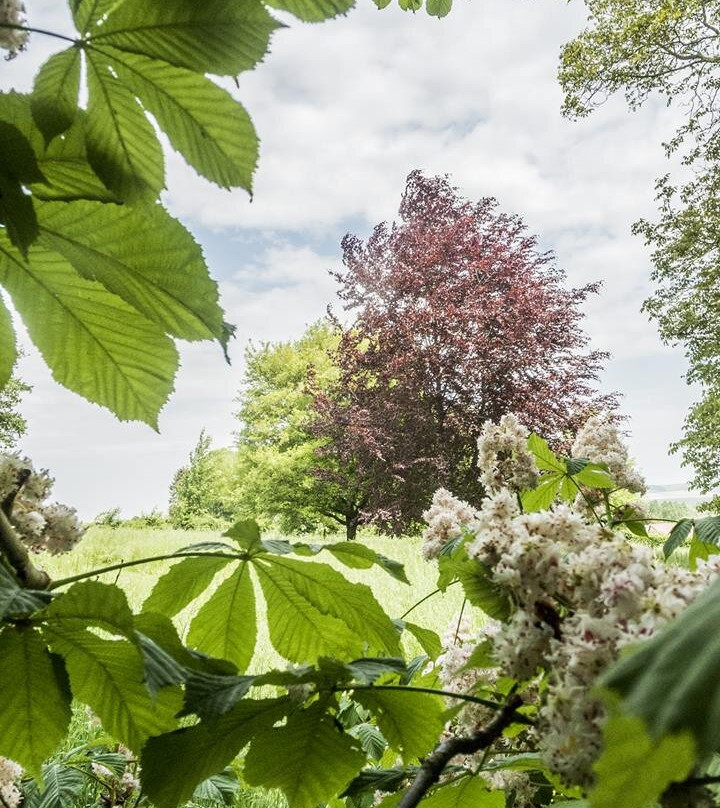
[
  {"x": 503, "y": 457},
  {"x": 121, "y": 787},
  {"x": 42, "y": 526},
  {"x": 600, "y": 442},
  {"x": 10, "y": 773},
  {"x": 12, "y": 12},
  {"x": 446, "y": 519},
  {"x": 581, "y": 593}
]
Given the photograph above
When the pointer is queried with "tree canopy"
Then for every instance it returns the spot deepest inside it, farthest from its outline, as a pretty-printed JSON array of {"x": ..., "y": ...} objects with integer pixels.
[{"x": 458, "y": 319}]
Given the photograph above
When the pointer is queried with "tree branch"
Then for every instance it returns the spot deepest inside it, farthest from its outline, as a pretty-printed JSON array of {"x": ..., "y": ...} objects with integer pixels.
[
  {"x": 17, "y": 554},
  {"x": 435, "y": 763}
]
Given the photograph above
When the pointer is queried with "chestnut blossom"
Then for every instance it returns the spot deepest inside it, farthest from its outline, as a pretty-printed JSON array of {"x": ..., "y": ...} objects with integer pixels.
[
  {"x": 51, "y": 527},
  {"x": 503, "y": 456},
  {"x": 12, "y": 12},
  {"x": 10, "y": 773},
  {"x": 446, "y": 519},
  {"x": 600, "y": 442}
]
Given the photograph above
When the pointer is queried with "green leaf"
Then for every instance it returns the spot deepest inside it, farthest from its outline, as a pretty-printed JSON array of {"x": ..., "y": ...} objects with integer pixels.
[
  {"x": 109, "y": 676},
  {"x": 476, "y": 579},
  {"x": 87, "y": 13},
  {"x": 223, "y": 37},
  {"x": 360, "y": 556},
  {"x": 94, "y": 343},
  {"x": 377, "y": 779},
  {"x": 18, "y": 158},
  {"x": 55, "y": 93},
  {"x": 34, "y": 704},
  {"x": 61, "y": 786},
  {"x": 203, "y": 122},
  {"x": 681, "y": 530},
  {"x": 673, "y": 680},
  {"x": 246, "y": 533},
  {"x": 122, "y": 146},
  {"x": 209, "y": 695},
  {"x": 16, "y": 601},
  {"x": 633, "y": 771},
  {"x": 412, "y": 722},
  {"x": 470, "y": 791},
  {"x": 543, "y": 496},
  {"x": 220, "y": 789},
  {"x": 481, "y": 657},
  {"x": 95, "y": 604},
  {"x": 142, "y": 270},
  {"x": 225, "y": 626},
  {"x": 428, "y": 639},
  {"x": 313, "y": 610},
  {"x": 699, "y": 551},
  {"x": 174, "y": 764},
  {"x": 371, "y": 739},
  {"x": 316, "y": 763},
  {"x": 313, "y": 10},
  {"x": 8, "y": 346},
  {"x": 595, "y": 476},
  {"x": 708, "y": 530},
  {"x": 438, "y": 8},
  {"x": 161, "y": 668},
  {"x": 182, "y": 583},
  {"x": 545, "y": 458},
  {"x": 17, "y": 212}
]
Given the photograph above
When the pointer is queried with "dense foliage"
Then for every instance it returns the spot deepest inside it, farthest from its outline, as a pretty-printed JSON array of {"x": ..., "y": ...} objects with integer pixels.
[
  {"x": 281, "y": 479},
  {"x": 201, "y": 493},
  {"x": 458, "y": 318},
  {"x": 12, "y": 423},
  {"x": 668, "y": 48}
]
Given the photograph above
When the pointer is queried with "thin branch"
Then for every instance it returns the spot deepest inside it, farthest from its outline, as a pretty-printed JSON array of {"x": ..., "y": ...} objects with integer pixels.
[
  {"x": 151, "y": 559},
  {"x": 435, "y": 763}
]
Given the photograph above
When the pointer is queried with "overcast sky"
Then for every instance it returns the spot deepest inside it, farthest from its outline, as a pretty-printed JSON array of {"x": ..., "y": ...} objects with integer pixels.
[{"x": 345, "y": 110}]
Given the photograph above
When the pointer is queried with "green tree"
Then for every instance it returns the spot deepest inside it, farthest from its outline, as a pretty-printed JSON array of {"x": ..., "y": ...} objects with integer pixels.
[
  {"x": 281, "y": 475},
  {"x": 201, "y": 492},
  {"x": 12, "y": 424},
  {"x": 671, "y": 49}
]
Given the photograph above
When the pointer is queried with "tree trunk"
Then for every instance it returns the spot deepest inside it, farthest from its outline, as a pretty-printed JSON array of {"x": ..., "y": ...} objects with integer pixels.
[{"x": 351, "y": 527}]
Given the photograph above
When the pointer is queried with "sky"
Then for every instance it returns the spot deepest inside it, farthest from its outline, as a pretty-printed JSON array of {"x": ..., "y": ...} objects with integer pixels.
[{"x": 345, "y": 110}]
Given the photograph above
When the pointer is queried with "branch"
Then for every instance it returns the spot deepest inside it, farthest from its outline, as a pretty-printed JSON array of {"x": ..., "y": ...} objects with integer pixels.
[
  {"x": 17, "y": 554},
  {"x": 435, "y": 763}
]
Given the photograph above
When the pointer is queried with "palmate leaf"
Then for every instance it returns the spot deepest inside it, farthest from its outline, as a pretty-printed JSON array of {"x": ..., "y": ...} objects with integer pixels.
[
  {"x": 223, "y": 37},
  {"x": 34, "y": 702},
  {"x": 681, "y": 530},
  {"x": 109, "y": 676},
  {"x": 175, "y": 763},
  {"x": 135, "y": 253},
  {"x": 95, "y": 343},
  {"x": 411, "y": 722},
  {"x": 316, "y": 760},
  {"x": 16, "y": 601},
  {"x": 225, "y": 626},
  {"x": 313, "y": 611},
  {"x": 87, "y": 13},
  {"x": 203, "y": 122},
  {"x": 55, "y": 93},
  {"x": 90, "y": 603}
]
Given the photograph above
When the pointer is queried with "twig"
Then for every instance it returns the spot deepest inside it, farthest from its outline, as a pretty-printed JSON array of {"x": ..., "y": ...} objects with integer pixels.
[{"x": 435, "y": 763}]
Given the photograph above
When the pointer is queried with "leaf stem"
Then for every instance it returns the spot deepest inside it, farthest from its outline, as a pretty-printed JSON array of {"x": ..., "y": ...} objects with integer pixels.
[
  {"x": 493, "y": 705},
  {"x": 121, "y": 565},
  {"x": 423, "y": 599},
  {"x": 40, "y": 31}
]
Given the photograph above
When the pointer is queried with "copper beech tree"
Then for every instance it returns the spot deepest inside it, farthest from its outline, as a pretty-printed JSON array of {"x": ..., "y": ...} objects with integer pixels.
[{"x": 458, "y": 318}]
